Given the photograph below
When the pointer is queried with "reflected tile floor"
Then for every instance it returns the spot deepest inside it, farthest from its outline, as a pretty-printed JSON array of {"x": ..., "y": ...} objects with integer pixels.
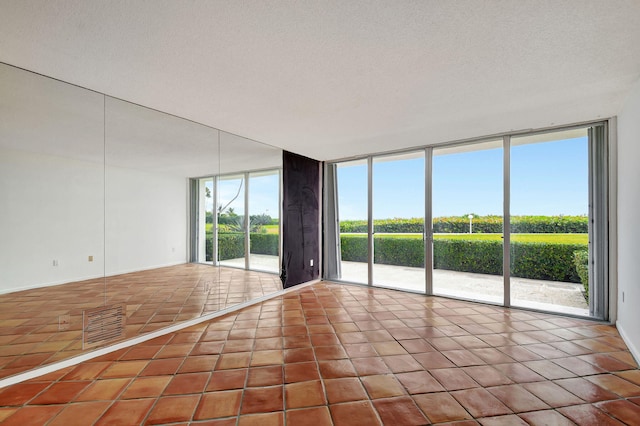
[
  {"x": 30, "y": 335},
  {"x": 330, "y": 354}
]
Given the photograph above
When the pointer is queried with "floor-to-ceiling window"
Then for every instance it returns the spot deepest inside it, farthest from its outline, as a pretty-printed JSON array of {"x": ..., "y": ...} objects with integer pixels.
[
  {"x": 264, "y": 220},
  {"x": 398, "y": 220},
  {"x": 551, "y": 253},
  {"x": 467, "y": 206}
]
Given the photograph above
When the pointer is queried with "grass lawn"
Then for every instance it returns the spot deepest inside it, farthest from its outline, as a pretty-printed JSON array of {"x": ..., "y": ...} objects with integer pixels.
[{"x": 524, "y": 238}]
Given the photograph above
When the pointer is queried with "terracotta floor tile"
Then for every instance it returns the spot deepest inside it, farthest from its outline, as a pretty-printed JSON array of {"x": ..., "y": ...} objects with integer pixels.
[
  {"x": 175, "y": 351},
  {"x": 546, "y": 417},
  {"x": 507, "y": 420},
  {"x": 480, "y": 403},
  {"x": 126, "y": 412},
  {"x": 553, "y": 394},
  {"x": 107, "y": 389},
  {"x": 6, "y": 412},
  {"x": 441, "y": 407},
  {"x": 315, "y": 416},
  {"x": 146, "y": 387},
  {"x": 625, "y": 411},
  {"x": 299, "y": 355},
  {"x": 301, "y": 372},
  {"x": 606, "y": 362},
  {"x": 401, "y": 410},
  {"x": 266, "y": 419},
  {"x": 336, "y": 369},
  {"x": 243, "y": 345},
  {"x": 21, "y": 393},
  {"x": 195, "y": 364},
  {"x": 454, "y": 379},
  {"x": 416, "y": 346},
  {"x": 463, "y": 358},
  {"x": 352, "y": 337},
  {"x": 360, "y": 350},
  {"x": 344, "y": 390},
  {"x": 266, "y": 376},
  {"x": 207, "y": 348},
  {"x": 233, "y": 361},
  {"x": 140, "y": 352},
  {"x": 359, "y": 413},
  {"x": 60, "y": 393},
  {"x": 227, "y": 379},
  {"x": 615, "y": 384},
  {"x": 586, "y": 390},
  {"x": 402, "y": 363},
  {"x": 517, "y": 398},
  {"x": 419, "y": 382},
  {"x": 519, "y": 373},
  {"x": 218, "y": 404},
  {"x": 389, "y": 348},
  {"x": 36, "y": 415},
  {"x": 271, "y": 343},
  {"x": 87, "y": 371},
  {"x": 588, "y": 415},
  {"x": 487, "y": 376},
  {"x": 124, "y": 369},
  {"x": 162, "y": 367},
  {"x": 170, "y": 409},
  {"x": 370, "y": 366},
  {"x": 382, "y": 386},
  {"x": 492, "y": 356},
  {"x": 272, "y": 357},
  {"x": 304, "y": 394},
  {"x": 519, "y": 353},
  {"x": 80, "y": 414},
  {"x": 262, "y": 400},
  {"x": 330, "y": 352},
  {"x": 548, "y": 369},
  {"x": 183, "y": 384}
]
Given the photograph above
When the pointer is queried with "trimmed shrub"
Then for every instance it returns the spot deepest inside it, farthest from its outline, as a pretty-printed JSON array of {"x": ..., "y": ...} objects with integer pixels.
[
  {"x": 481, "y": 225},
  {"x": 543, "y": 261},
  {"x": 264, "y": 243},
  {"x": 581, "y": 259},
  {"x": 231, "y": 245}
]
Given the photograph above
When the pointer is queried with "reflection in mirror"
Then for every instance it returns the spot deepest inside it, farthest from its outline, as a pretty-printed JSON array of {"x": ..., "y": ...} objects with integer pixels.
[
  {"x": 109, "y": 204},
  {"x": 52, "y": 217}
]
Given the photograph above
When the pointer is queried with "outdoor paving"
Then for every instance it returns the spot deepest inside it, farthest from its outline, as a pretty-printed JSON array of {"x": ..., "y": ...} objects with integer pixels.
[{"x": 567, "y": 298}]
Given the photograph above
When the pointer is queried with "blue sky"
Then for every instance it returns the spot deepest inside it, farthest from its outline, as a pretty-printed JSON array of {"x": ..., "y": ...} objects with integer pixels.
[{"x": 547, "y": 178}]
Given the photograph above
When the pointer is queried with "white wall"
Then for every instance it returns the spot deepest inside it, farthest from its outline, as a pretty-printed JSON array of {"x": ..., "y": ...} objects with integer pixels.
[
  {"x": 146, "y": 220},
  {"x": 52, "y": 208},
  {"x": 629, "y": 221}
]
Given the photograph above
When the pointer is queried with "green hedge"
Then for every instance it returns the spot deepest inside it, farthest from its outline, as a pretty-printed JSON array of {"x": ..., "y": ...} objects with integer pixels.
[
  {"x": 581, "y": 259},
  {"x": 231, "y": 245},
  {"x": 481, "y": 225},
  {"x": 544, "y": 261}
]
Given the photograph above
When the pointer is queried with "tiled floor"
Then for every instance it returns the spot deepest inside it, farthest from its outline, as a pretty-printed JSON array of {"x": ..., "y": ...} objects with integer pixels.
[
  {"x": 348, "y": 355},
  {"x": 30, "y": 335}
]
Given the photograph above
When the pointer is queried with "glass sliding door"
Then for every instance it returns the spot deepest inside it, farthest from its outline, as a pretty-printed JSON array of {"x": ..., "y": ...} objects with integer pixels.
[
  {"x": 264, "y": 220},
  {"x": 205, "y": 218},
  {"x": 398, "y": 221},
  {"x": 231, "y": 220},
  {"x": 550, "y": 222},
  {"x": 351, "y": 212},
  {"x": 467, "y": 211}
]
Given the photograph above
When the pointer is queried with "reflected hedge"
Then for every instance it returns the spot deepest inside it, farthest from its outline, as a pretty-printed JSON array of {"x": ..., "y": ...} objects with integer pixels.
[{"x": 231, "y": 245}]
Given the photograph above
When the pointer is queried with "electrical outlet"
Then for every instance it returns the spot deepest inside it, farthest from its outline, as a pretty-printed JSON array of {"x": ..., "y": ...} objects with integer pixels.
[
  {"x": 311, "y": 262},
  {"x": 55, "y": 262},
  {"x": 63, "y": 322},
  {"x": 90, "y": 258},
  {"x": 623, "y": 297}
]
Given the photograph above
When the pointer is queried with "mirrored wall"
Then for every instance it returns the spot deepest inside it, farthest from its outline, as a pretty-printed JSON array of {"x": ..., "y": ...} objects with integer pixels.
[{"x": 99, "y": 210}]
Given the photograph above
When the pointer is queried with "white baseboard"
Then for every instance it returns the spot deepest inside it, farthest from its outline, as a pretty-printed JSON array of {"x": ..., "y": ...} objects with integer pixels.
[{"x": 632, "y": 348}]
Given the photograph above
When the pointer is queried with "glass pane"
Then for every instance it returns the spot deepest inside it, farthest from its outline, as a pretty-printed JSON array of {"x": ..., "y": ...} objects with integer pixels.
[
  {"x": 398, "y": 221},
  {"x": 467, "y": 221},
  {"x": 352, "y": 217},
  {"x": 231, "y": 225},
  {"x": 205, "y": 228},
  {"x": 264, "y": 216},
  {"x": 549, "y": 221}
]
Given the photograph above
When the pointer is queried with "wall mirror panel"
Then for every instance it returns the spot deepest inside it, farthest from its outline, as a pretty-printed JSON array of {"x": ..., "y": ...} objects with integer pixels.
[{"x": 100, "y": 218}]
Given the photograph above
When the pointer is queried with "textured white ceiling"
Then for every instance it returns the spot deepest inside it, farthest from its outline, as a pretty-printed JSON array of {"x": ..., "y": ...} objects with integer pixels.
[{"x": 336, "y": 78}]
